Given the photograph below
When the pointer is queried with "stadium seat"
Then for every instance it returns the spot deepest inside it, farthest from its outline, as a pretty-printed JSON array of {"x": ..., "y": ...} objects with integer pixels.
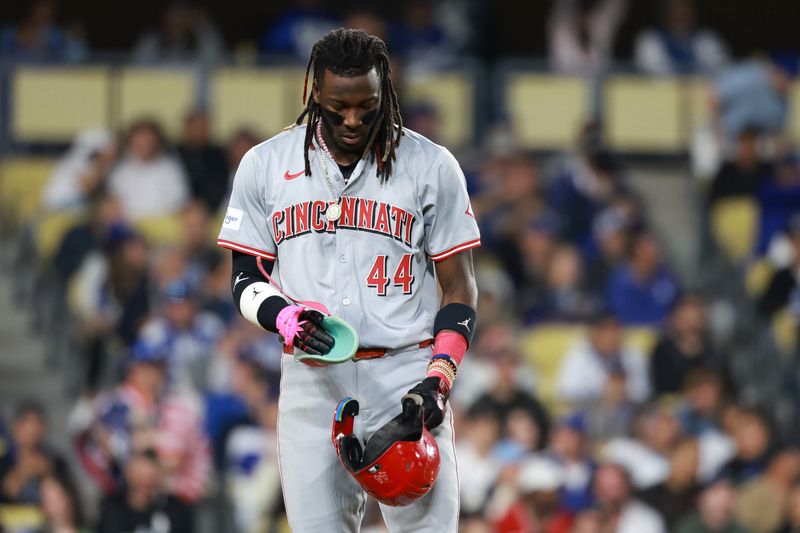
[
  {"x": 544, "y": 347},
  {"x": 794, "y": 109},
  {"x": 165, "y": 95},
  {"x": 645, "y": 115},
  {"x": 452, "y": 95},
  {"x": 548, "y": 110},
  {"x": 734, "y": 224},
  {"x": 160, "y": 231},
  {"x": 21, "y": 518},
  {"x": 22, "y": 181},
  {"x": 54, "y": 104},
  {"x": 264, "y": 100},
  {"x": 758, "y": 277},
  {"x": 784, "y": 332}
]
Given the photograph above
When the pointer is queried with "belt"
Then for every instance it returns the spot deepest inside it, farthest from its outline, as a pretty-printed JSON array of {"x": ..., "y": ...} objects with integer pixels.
[{"x": 366, "y": 353}]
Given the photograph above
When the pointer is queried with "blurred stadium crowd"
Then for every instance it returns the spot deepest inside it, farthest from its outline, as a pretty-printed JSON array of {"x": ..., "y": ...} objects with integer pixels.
[{"x": 603, "y": 392}]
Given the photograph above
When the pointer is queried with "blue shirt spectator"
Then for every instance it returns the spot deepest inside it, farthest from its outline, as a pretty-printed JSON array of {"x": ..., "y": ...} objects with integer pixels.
[
  {"x": 779, "y": 199},
  {"x": 642, "y": 291},
  {"x": 296, "y": 31},
  {"x": 679, "y": 45},
  {"x": 751, "y": 94},
  {"x": 37, "y": 38}
]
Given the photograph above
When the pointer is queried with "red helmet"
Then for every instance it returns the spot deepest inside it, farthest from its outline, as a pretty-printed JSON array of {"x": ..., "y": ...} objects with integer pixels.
[{"x": 401, "y": 460}]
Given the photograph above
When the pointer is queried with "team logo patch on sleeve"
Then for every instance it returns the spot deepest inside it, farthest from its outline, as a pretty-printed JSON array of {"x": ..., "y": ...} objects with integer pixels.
[{"x": 233, "y": 219}]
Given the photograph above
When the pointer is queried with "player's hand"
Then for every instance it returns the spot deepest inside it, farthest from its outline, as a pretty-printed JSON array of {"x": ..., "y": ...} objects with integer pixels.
[
  {"x": 312, "y": 337},
  {"x": 434, "y": 400}
]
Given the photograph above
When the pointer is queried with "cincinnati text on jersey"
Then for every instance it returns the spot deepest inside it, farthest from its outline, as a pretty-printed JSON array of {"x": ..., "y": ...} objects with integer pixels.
[{"x": 360, "y": 214}]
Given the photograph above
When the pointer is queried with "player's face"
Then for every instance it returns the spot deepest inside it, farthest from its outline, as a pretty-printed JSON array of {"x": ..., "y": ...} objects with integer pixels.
[{"x": 349, "y": 109}]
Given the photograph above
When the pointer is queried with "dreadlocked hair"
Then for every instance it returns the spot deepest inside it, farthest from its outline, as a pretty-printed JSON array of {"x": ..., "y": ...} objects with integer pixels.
[{"x": 352, "y": 53}]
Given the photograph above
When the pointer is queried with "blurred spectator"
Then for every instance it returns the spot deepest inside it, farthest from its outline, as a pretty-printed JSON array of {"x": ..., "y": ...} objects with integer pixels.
[
  {"x": 612, "y": 414},
  {"x": 684, "y": 345},
  {"x": 366, "y": 18},
  {"x": 581, "y": 35},
  {"x": 480, "y": 468},
  {"x": 583, "y": 184},
  {"x": 38, "y": 39},
  {"x": 506, "y": 394},
  {"x": 110, "y": 299},
  {"x": 424, "y": 118},
  {"x": 679, "y": 45},
  {"x": 745, "y": 174},
  {"x": 570, "y": 448},
  {"x": 565, "y": 299},
  {"x": 529, "y": 501},
  {"x": 420, "y": 40},
  {"x": 298, "y": 28},
  {"x": 782, "y": 288},
  {"x": 238, "y": 145},
  {"x": 495, "y": 293},
  {"x": 619, "y": 511},
  {"x": 204, "y": 162},
  {"x": 751, "y": 94},
  {"x": 143, "y": 506},
  {"x": 536, "y": 245},
  {"x": 645, "y": 454},
  {"x": 760, "y": 503},
  {"x": 186, "y": 35},
  {"x": 675, "y": 497},
  {"x": 715, "y": 511},
  {"x": 642, "y": 291},
  {"x": 778, "y": 199},
  {"x": 509, "y": 202},
  {"x": 61, "y": 505},
  {"x": 125, "y": 419},
  {"x": 148, "y": 181},
  {"x": 191, "y": 258},
  {"x": 216, "y": 291},
  {"x": 791, "y": 523},
  {"x": 140, "y": 415},
  {"x": 752, "y": 434},
  {"x": 80, "y": 173},
  {"x": 584, "y": 371},
  {"x": 186, "y": 333},
  {"x": 30, "y": 458},
  {"x": 703, "y": 391},
  {"x": 611, "y": 230},
  {"x": 79, "y": 241},
  {"x": 251, "y": 470}
]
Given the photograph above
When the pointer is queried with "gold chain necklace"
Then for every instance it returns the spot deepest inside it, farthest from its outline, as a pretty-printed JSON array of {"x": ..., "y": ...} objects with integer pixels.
[{"x": 334, "y": 211}]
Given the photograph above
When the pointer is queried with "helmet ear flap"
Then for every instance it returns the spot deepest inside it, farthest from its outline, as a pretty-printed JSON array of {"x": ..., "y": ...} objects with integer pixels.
[{"x": 351, "y": 452}]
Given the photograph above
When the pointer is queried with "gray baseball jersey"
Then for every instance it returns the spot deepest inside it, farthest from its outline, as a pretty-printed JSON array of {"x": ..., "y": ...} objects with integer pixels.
[{"x": 374, "y": 265}]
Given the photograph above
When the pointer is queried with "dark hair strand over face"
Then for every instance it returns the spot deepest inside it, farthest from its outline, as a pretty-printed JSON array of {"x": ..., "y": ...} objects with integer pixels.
[{"x": 351, "y": 53}]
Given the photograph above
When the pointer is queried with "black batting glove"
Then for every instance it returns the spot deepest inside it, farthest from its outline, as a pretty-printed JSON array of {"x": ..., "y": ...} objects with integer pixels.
[
  {"x": 434, "y": 400},
  {"x": 312, "y": 338}
]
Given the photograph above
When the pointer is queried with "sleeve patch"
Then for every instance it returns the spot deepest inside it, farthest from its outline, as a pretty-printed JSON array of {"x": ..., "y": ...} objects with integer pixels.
[{"x": 233, "y": 219}]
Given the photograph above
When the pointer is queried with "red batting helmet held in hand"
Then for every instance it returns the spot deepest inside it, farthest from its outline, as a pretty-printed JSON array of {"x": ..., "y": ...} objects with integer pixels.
[{"x": 400, "y": 462}]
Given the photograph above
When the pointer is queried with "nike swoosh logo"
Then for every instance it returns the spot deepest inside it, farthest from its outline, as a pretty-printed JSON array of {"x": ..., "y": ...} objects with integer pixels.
[{"x": 288, "y": 176}]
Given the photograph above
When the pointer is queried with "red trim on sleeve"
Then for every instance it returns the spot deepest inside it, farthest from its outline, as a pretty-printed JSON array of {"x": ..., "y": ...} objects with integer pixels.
[
  {"x": 456, "y": 249},
  {"x": 246, "y": 249}
]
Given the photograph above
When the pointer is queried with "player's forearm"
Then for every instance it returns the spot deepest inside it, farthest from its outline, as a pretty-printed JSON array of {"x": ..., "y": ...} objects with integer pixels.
[{"x": 257, "y": 300}]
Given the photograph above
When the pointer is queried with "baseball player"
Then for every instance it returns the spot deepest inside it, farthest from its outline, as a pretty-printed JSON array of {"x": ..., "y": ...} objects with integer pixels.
[{"x": 350, "y": 210}]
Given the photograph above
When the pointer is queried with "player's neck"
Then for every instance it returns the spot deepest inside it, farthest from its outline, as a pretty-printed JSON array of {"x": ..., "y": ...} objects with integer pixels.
[{"x": 341, "y": 157}]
